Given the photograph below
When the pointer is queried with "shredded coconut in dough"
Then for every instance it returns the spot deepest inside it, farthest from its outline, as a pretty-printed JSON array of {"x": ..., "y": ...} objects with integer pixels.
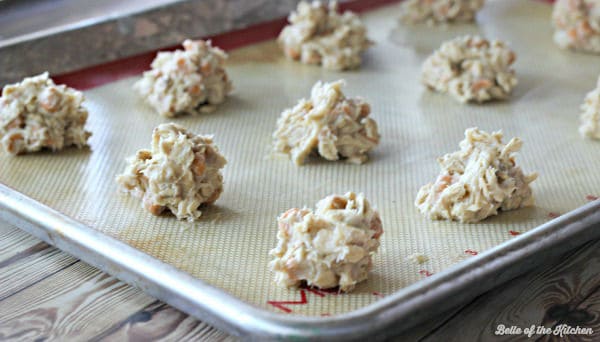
[
  {"x": 330, "y": 247},
  {"x": 590, "y": 118},
  {"x": 319, "y": 35},
  {"x": 186, "y": 81},
  {"x": 471, "y": 69},
  {"x": 577, "y": 24},
  {"x": 329, "y": 123},
  {"x": 179, "y": 173},
  {"x": 439, "y": 11},
  {"x": 37, "y": 114},
  {"x": 477, "y": 181}
]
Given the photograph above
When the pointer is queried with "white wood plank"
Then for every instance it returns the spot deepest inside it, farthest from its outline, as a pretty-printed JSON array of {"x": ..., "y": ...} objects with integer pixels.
[
  {"x": 26, "y": 271},
  {"x": 161, "y": 322},
  {"x": 75, "y": 304},
  {"x": 13, "y": 241}
]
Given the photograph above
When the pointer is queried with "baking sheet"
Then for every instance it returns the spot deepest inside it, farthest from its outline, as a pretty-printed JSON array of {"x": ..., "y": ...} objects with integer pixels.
[{"x": 229, "y": 247}]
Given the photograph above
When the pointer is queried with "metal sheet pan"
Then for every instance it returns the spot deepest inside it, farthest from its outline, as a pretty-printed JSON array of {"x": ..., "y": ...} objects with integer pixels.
[{"x": 216, "y": 270}]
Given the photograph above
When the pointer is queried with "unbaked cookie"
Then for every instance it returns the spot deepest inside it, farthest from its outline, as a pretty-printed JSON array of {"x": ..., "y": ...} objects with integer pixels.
[
  {"x": 328, "y": 123},
  {"x": 471, "y": 69},
  {"x": 439, "y": 11},
  {"x": 318, "y": 34},
  {"x": 477, "y": 181},
  {"x": 37, "y": 114},
  {"x": 186, "y": 81},
  {"x": 329, "y": 247},
  {"x": 180, "y": 173},
  {"x": 577, "y": 24},
  {"x": 590, "y": 118}
]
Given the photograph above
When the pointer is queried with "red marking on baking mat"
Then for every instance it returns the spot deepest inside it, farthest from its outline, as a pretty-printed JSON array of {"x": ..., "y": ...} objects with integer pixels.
[
  {"x": 513, "y": 233},
  {"x": 375, "y": 293},
  {"x": 553, "y": 215},
  {"x": 325, "y": 314},
  {"x": 591, "y": 197},
  {"x": 471, "y": 252},
  {"x": 425, "y": 273},
  {"x": 316, "y": 292},
  {"x": 98, "y": 75},
  {"x": 333, "y": 291},
  {"x": 321, "y": 292},
  {"x": 282, "y": 304}
]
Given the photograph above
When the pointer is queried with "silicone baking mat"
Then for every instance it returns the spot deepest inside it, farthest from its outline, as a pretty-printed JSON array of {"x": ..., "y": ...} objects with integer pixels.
[{"x": 229, "y": 246}]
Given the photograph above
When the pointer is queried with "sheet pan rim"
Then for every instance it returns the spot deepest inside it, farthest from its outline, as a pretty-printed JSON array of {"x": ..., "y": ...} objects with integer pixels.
[{"x": 227, "y": 312}]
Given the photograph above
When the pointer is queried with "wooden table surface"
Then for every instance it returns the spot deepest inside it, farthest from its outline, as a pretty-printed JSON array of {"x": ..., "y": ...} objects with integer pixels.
[{"x": 46, "y": 294}]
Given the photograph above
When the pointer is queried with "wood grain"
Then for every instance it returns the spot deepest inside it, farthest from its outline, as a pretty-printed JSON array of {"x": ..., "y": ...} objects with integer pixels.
[
  {"x": 563, "y": 293},
  {"x": 13, "y": 241},
  {"x": 75, "y": 304},
  {"x": 31, "y": 266},
  {"x": 159, "y": 321}
]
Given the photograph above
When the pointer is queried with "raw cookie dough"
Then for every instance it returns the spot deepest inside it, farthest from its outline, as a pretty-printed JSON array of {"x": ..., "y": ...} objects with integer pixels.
[
  {"x": 439, "y": 11},
  {"x": 477, "y": 181},
  {"x": 179, "y": 173},
  {"x": 471, "y": 69},
  {"x": 330, "y": 247},
  {"x": 317, "y": 34},
  {"x": 577, "y": 24},
  {"x": 328, "y": 123},
  {"x": 186, "y": 81},
  {"x": 37, "y": 114},
  {"x": 590, "y": 118}
]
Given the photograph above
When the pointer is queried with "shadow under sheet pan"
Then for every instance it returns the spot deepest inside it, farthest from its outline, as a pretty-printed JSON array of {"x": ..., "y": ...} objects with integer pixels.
[{"x": 216, "y": 269}]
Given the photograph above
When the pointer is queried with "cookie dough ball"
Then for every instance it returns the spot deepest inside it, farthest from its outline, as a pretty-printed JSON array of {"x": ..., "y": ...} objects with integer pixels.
[
  {"x": 317, "y": 34},
  {"x": 37, "y": 114},
  {"x": 180, "y": 173},
  {"x": 577, "y": 25},
  {"x": 439, "y": 11},
  {"x": 328, "y": 123},
  {"x": 477, "y": 181},
  {"x": 186, "y": 81},
  {"x": 471, "y": 69},
  {"x": 590, "y": 118},
  {"x": 329, "y": 247}
]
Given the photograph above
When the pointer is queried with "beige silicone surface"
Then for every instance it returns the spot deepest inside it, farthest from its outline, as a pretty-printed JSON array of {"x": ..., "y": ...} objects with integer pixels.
[{"x": 229, "y": 246}]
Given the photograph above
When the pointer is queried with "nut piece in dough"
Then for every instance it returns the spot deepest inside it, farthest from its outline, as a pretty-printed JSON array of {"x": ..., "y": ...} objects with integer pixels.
[
  {"x": 577, "y": 25},
  {"x": 329, "y": 123},
  {"x": 317, "y": 34},
  {"x": 439, "y": 11},
  {"x": 179, "y": 173},
  {"x": 471, "y": 69},
  {"x": 590, "y": 118},
  {"x": 477, "y": 181},
  {"x": 37, "y": 114},
  {"x": 329, "y": 247},
  {"x": 186, "y": 81}
]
